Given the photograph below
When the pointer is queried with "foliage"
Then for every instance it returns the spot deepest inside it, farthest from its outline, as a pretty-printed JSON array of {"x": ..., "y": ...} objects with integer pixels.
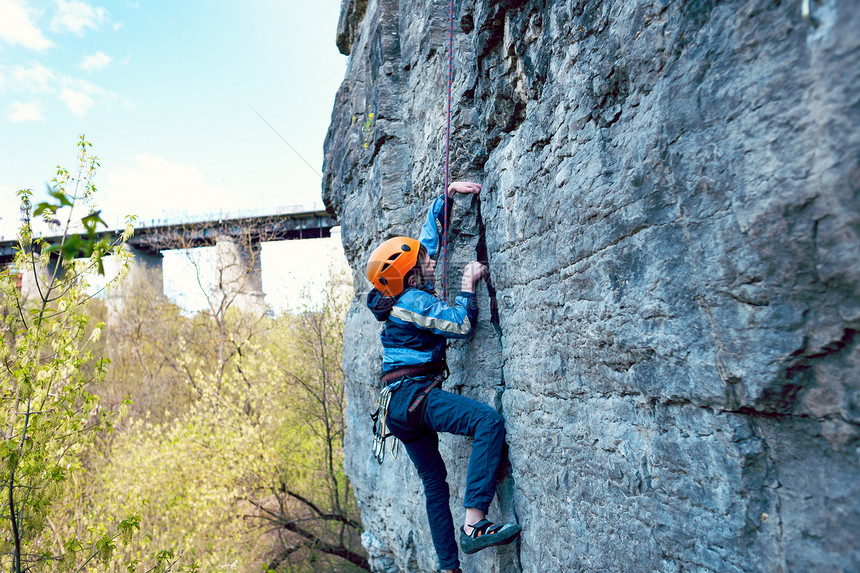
[
  {"x": 47, "y": 413},
  {"x": 238, "y": 452},
  {"x": 230, "y": 458},
  {"x": 145, "y": 341},
  {"x": 310, "y": 503},
  {"x": 367, "y": 129}
]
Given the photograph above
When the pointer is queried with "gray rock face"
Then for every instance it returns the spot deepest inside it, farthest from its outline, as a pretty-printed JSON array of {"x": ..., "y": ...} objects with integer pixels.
[{"x": 671, "y": 216}]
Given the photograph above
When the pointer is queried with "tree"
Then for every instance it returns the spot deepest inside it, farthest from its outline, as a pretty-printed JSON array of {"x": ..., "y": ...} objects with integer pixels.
[
  {"x": 310, "y": 505},
  {"x": 235, "y": 414},
  {"x": 48, "y": 415}
]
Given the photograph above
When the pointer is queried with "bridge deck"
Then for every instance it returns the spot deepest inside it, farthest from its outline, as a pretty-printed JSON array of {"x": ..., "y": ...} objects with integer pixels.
[{"x": 186, "y": 235}]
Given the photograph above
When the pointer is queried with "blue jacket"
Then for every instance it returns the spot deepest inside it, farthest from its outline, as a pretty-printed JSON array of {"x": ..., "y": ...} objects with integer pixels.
[{"x": 417, "y": 322}]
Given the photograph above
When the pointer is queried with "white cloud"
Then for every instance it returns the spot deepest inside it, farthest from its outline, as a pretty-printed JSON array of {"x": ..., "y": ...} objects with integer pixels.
[
  {"x": 96, "y": 62},
  {"x": 33, "y": 78},
  {"x": 20, "y": 112},
  {"x": 155, "y": 185},
  {"x": 9, "y": 213},
  {"x": 78, "y": 102},
  {"x": 26, "y": 82},
  {"x": 17, "y": 27},
  {"x": 79, "y": 96},
  {"x": 75, "y": 16}
]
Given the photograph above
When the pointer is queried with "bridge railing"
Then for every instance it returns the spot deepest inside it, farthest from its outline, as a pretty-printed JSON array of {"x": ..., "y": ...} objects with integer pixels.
[
  {"x": 310, "y": 218},
  {"x": 184, "y": 218}
]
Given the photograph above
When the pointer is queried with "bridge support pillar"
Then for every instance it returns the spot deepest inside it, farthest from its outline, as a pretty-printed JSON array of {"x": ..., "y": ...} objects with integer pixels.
[
  {"x": 239, "y": 283},
  {"x": 34, "y": 282},
  {"x": 147, "y": 266},
  {"x": 146, "y": 272}
]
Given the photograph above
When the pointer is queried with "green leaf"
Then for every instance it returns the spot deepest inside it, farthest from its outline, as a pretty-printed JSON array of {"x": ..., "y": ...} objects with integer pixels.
[
  {"x": 44, "y": 207},
  {"x": 105, "y": 548},
  {"x": 128, "y": 527},
  {"x": 60, "y": 196},
  {"x": 91, "y": 221},
  {"x": 72, "y": 545}
]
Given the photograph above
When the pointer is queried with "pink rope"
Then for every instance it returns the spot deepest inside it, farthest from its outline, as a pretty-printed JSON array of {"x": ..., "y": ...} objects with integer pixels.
[{"x": 447, "y": 155}]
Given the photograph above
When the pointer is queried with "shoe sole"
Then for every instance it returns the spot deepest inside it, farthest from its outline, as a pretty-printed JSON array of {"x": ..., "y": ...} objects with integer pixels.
[{"x": 503, "y": 537}]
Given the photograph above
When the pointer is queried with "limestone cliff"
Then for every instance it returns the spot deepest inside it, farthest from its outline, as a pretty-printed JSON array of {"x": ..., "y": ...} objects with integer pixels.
[{"x": 671, "y": 216}]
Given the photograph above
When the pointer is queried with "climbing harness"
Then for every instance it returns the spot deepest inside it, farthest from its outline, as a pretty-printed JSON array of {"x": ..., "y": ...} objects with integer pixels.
[
  {"x": 420, "y": 397},
  {"x": 412, "y": 371},
  {"x": 380, "y": 430},
  {"x": 447, "y": 155},
  {"x": 439, "y": 372}
]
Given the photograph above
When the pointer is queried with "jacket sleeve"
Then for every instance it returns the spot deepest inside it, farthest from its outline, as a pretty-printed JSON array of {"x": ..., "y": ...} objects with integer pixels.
[
  {"x": 431, "y": 231},
  {"x": 379, "y": 304},
  {"x": 429, "y": 313}
]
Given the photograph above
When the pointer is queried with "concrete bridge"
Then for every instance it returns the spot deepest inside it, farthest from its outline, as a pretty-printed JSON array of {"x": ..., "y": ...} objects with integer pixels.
[{"x": 237, "y": 236}]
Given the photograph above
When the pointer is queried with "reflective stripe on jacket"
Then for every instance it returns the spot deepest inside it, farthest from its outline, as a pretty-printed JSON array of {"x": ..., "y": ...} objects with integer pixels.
[{"x": 417, "y": 322}]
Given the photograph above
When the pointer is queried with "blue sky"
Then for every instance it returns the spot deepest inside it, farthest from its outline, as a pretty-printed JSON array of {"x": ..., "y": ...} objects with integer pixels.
[{"x": 168, "y": 92}]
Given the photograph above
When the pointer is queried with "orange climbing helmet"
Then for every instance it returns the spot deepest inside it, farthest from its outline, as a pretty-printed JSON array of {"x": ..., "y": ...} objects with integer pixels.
[{"x": 390, "y": 262}]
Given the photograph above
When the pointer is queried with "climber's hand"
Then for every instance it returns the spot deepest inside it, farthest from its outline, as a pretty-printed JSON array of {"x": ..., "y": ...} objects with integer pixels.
[
  {"x": 463, "y": 187},
  {"x": 473, "y": 273}
]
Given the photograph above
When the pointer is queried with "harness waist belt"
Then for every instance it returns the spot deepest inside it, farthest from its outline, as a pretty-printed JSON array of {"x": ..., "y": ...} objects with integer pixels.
[{"x": 418, "y": 370}]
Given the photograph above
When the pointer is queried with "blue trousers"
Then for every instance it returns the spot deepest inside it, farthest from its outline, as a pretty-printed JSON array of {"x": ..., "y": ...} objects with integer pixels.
[{"x": 418, "y": 430}]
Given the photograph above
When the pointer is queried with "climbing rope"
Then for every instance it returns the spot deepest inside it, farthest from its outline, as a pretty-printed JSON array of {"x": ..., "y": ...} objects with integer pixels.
[{"x": 447, "y": 155}]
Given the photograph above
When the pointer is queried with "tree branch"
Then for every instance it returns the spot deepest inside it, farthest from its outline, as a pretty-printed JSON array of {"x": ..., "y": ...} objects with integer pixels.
[{"x": 328, "y": 548}]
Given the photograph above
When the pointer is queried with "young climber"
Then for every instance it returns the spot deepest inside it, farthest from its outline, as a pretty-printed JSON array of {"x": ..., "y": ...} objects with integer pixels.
[{"x": 417, "y": 324}]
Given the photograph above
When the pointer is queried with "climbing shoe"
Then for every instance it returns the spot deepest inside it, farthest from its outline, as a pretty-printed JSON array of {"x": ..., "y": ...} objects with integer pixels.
[{"x": 486, "y": 534}]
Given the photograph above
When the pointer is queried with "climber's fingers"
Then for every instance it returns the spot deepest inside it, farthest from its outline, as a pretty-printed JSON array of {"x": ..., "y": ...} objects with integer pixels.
[
  {"x": 474, "y": 272},
  {"x": 463, "y": 187}
]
